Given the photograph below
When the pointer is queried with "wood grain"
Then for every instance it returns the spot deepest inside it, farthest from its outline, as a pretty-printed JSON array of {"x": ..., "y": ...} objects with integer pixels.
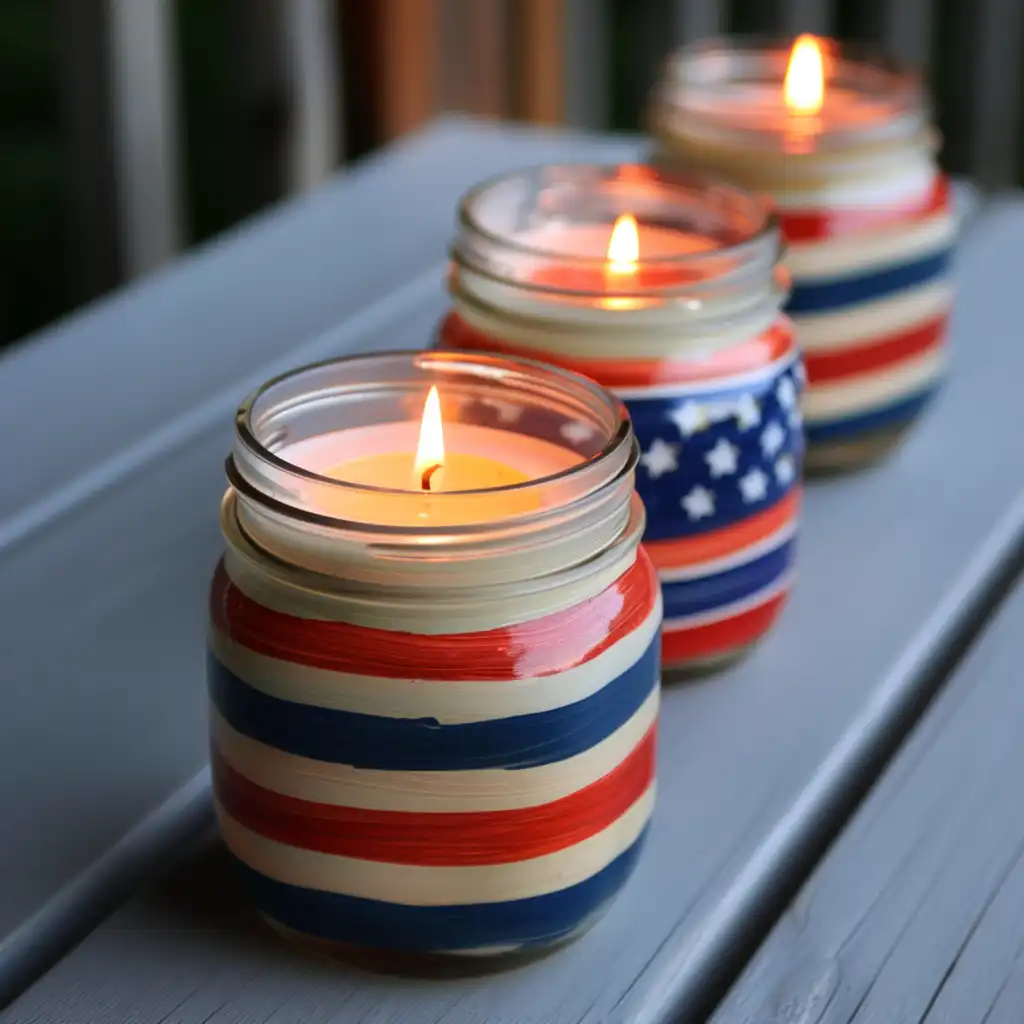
[
  {"x": 914, "y": 917},
  {"x": 540, "y": 35}
]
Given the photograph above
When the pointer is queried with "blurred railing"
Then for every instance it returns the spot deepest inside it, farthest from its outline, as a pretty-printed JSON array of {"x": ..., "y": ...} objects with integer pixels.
[{"x": 313, "y": 78}]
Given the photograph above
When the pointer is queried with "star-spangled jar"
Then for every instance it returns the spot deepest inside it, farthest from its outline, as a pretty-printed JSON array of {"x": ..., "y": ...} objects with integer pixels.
[
  {"x": 680, "y": 317},
  {"x": 433, "y": 713},
  {"x": 865, "y": 211}
]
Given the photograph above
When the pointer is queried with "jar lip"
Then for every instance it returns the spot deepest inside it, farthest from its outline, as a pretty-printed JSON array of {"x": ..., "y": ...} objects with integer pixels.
[
  {"x": 857, "y": 64},
  {"x": 492, "y": 367},
  {"x": 631, "y": 173}
]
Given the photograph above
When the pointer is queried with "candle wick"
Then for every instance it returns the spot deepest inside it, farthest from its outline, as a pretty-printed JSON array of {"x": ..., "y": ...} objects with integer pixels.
[{"x": 427, "y": 474}]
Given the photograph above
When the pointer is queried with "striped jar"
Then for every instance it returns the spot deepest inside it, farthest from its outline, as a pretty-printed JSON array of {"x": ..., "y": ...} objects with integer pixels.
[
  {"x": 690, "y": 336},
  {"x": 866, "y": 215},
  {"x": 433, "y": 716}
]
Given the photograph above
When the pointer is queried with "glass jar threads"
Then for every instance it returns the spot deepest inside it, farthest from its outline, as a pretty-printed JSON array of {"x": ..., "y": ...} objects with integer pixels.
[
  {"x": 845, "y": 148},
  {"x": 667, "y": 290},
  {"x": 433, "y": 704}
]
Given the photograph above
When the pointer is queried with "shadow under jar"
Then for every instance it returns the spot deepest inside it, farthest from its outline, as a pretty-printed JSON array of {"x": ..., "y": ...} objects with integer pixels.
[
  {"x": 433, "y": 713},
  {"x": 679, "y": 316},
  {"x": 865, "y": 212}
]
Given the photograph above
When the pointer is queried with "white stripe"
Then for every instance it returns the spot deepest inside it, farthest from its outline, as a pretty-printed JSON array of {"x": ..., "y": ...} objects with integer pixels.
[
  {"x": 414, "y": 885},
  {"x": 909, "y": 180},
  {"x": 874, "y": 390},
  {"x": 716, "y": 384},
  {"x": 733, "y": 559},
  {"x": 860, "y": 325},
  {"x": 449, "y": 702},
  {"x": 727, "y": 611},
  {"x": 482, "y": 789},
  {"x": 892, "y": 245}
]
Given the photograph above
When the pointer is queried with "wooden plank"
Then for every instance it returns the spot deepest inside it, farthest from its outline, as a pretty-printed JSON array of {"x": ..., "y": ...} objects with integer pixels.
[
  {"x": 757, "y": 766},
  {"x": 915, "y": 914},
  {"x": 143, "y": 89},
  {"x": 83, "y": 75},
  {"x": 476, "y": 67},
  {"x": 408, "y": 58},
  {"x": 108, "y": 529},
  {"x": 540, "y": 32},
  {"x": 588, "y": 73}
]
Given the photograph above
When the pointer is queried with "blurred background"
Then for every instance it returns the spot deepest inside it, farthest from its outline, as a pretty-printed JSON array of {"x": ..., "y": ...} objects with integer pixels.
[{"x": 131, "y": 130}]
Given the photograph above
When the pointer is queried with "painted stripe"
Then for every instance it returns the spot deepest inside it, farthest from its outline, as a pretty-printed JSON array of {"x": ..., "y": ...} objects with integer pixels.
[
  {"x": 437, "y": 886},
  {"x": 397, "y": 744},
  {"x": 849, "y": 427},
  {"x": 450, "y": 702},
  {"x": 883, "y": 353},
  {"x": 873, "y": 391},
  {"x": 693, "y": 598},
  {"x": 734, "y": 608},
  {"x": 753, "y": 356},
  {"x": 896, "y": 245},
  {"x": 825, "y": 332},
  {"x": 818, "y": 297},
  {"x": 483, "y": 789},
  {"x": 800, "y": 226},
  {"x": 682, "y": 643},
  {"x": 371, "y": 924},
  {"x": 701, "y": 549},
  {"x": 733, "y": 560},
  {"x": 544, "y": 646},
  {"x": 432, "y": 838}
]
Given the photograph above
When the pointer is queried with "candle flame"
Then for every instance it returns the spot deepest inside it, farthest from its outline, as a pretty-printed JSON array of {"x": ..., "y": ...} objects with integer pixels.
[
  {"x": 624, "y": 246},
  {"x": 804, "y": 87},
  {"x": 430, "y": 450}
]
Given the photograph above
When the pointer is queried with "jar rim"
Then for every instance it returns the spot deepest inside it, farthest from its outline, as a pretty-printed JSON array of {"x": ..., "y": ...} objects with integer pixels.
[
  {"x": 489, "y": 367},
  {"x": 707, "y": 63}
]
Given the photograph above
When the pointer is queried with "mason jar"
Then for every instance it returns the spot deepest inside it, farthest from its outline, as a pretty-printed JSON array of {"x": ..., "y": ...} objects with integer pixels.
[
  {"x": 433, "y": 712},
  {"x": 683, "y": 323},
  {"x": 863, "y": 206}
]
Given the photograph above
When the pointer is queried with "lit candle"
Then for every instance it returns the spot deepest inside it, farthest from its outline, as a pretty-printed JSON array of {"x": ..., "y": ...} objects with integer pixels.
[
  {"x": 845, "y": 149},
  {"x": 433, "y": 704},
  {"x": 665, "y": 290}
]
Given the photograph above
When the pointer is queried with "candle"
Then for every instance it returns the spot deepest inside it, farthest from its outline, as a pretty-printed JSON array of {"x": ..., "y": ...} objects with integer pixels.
[
  {"x": 434, "y": 655},
  {"x": 845, "y": 149},
  {"x": 665, "y": 290}
]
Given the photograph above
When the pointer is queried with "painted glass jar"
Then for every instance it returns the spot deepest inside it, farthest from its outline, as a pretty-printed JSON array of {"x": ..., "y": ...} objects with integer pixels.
[
  {"x": 433, "y": 713},
  {"x": 865, "y": 212},
  {"x": 683, "y": 324}
]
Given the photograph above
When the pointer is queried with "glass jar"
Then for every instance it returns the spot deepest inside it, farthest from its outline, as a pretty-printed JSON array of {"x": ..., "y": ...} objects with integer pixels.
[
  {"x": 686, "y": 329},
  {"x": 433, "y": 713},
  {"x": 865, "y": 212}
]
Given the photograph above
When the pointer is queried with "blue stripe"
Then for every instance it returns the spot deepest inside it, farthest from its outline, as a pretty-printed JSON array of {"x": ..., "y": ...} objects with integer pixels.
[
  {"x": 692, "y": 597},
  {"x": 423, "y": 744},
  {"x": 877, "y": 419},
  {"x": 373, "y": 924},
  {"x": 848, "y": 291}
]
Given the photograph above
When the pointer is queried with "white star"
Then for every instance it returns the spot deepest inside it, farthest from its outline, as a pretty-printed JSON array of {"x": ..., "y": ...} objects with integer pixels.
[
  {"x": 689, "y": 418},
  {"x": 722, "y": 458},
  {"x": 507, "y": 412},
  {"x": 577, "y": 432},
  {"x": 800, "y": 373},
  {"x": 660, "y": 458},
  {"x": 773, "y": 437},
  {"x": 700, "y": 502},
  {"x": 785, "y": 471},
  {"x": 794, "y": 418},
  {"x": 748, "y": 412},
  {"x": 786, "y": 393},
  {"x": 754, "y": 485}
]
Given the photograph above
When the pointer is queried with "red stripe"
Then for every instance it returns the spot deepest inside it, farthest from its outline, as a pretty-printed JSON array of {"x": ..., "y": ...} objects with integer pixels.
[
  {"x": 824, "y": 367},
  {"x": 821, "y": 225},
  {"x": 686, "y": 644},
  {"x": 750, "y": 355},
  {"x": 542, "y": 647},
  {"x": 443, "y": 838},
  {"x": 676, "y": 552}
]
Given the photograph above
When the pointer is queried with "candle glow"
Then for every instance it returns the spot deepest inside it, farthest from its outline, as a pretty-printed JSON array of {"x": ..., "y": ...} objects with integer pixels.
[
  {"x": 624, "y": 246},
  {"x": 430, "y": 448},
  {"x": 804, "y": 86}
]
